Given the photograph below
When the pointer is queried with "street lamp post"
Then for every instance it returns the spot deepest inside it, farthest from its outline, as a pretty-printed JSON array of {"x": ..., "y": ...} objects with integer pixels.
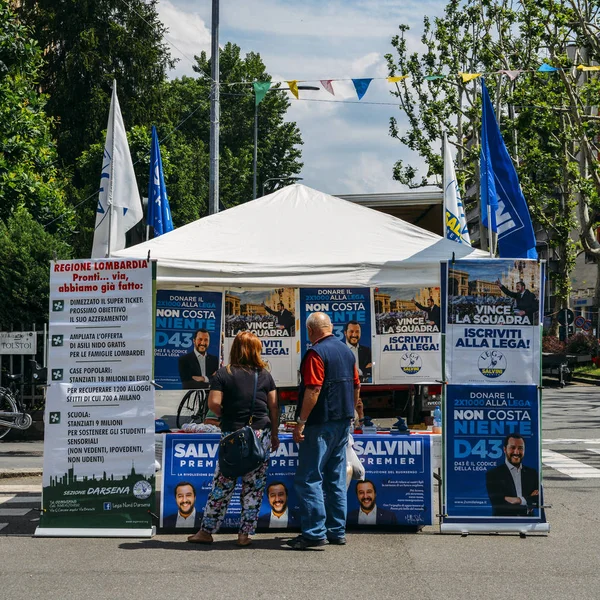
[
  {"x": 255, "y": 156},
  {"x": 292, "y": 178}
]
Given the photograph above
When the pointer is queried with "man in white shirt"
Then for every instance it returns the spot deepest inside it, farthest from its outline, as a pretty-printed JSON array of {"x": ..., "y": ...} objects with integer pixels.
[
  {"x": 278, "y": 517},
  {"x": 512, "y": 487}
]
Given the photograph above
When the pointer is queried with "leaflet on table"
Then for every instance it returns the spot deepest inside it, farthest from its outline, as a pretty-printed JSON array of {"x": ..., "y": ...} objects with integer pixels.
[
  {"x": 493, "y": 333},
  {"x": 407, "y": 340},
  {"x": 270, "y": 314},
  {"x": 350, "y": 312},
  {"x": 99, "y": 420},
  {"x": 483, "y": 460},
  {"x": 398, "y": 489},
  {"x": 180, "y": 316}
]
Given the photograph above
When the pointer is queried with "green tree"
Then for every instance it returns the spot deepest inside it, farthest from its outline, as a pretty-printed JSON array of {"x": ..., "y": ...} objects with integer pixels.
[
  {"x": 26, "y": 249},
  {"x": 28, "y": 173},
  {"x": 87, "y": 44},
  {"x": 278, "y": 141},
  {"x": 483, "y": 36}
]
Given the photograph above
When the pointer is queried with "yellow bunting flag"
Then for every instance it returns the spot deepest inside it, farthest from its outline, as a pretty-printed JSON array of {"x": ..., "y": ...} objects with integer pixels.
[
  {"x": 397, "y": 79},
  {"x": 466, "y": 77},
  {"x": 585, "y": 68},
  {"x": 294, "y": 87}
]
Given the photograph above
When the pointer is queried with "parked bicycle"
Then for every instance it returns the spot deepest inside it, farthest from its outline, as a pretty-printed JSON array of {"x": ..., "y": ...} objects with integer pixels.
[
  {"x": 13, "y": 410},
  {"x": 193, "y": 407}
]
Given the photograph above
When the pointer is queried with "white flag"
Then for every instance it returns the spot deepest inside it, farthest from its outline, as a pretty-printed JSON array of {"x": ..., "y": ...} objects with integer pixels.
[
  {"x": 118, "y": 188},
  {"x": 456, "y": 222}
]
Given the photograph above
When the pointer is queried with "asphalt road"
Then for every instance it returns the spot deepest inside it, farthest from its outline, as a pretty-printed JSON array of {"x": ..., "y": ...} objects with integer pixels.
[{"x": 426, "y": 565}]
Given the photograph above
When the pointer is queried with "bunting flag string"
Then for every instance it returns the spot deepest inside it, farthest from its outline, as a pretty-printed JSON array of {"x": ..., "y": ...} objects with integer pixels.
[{"x": 361, "y": 85}]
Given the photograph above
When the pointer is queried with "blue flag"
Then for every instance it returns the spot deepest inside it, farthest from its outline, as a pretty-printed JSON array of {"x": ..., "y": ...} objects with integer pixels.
[
  {"x": 500, "y": 189},
  {"x": 159, "y": 213}
]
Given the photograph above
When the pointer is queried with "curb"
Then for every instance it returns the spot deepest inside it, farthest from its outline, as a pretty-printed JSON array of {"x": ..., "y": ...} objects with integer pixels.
[
  {"x": 14, "y": 473},
  {"x": 588, "y": 380}
]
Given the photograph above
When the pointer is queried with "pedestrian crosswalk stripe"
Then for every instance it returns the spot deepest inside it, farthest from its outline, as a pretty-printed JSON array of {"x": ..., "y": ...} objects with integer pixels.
[
  {"x": 569, "y": 466},
  {"x": 572, "y": 441},
  {"x": 16, "y": 489},
  {"x": 37, "y": 499},
  {"x": 594, "y": 450},
  {"x": 14, "y": 512},
  {"x": 3, "y": 525}
]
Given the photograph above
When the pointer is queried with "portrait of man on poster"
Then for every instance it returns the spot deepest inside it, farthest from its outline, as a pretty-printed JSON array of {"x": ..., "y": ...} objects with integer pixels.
[
  {"x": 196, "y": 367},
  {"x": 512, "y": 487},
  {"x": 278, "y": 516},
  {"x": 186, "y": 516},
  {"x": 362, "y": 354}
]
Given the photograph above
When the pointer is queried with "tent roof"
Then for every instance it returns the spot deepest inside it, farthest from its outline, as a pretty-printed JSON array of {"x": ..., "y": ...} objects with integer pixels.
[{"x": 298, "y": 236}]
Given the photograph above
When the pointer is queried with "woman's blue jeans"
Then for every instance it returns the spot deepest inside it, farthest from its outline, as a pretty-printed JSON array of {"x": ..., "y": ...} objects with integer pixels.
[{"x": 320, "y": 480}]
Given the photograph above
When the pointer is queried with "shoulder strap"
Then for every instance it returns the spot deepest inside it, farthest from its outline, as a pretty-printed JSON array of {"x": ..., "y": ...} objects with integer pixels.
[{"x": 253, "y": 398}]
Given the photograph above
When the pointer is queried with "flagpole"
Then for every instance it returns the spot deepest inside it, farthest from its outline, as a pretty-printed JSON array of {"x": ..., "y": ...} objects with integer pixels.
[
  {"x": 444, "y": 184},
  {"x": 213, "y": 177},
  {"x": 490, "y": 233},
  {"x": 109, "y": 201}
]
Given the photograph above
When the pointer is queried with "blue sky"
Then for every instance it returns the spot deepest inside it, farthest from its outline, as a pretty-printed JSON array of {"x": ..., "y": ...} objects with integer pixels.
[{"x": 347, "y": 148}]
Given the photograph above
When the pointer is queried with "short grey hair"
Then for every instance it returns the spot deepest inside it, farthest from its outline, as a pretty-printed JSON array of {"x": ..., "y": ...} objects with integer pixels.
[{"x": 318, "y": 320}]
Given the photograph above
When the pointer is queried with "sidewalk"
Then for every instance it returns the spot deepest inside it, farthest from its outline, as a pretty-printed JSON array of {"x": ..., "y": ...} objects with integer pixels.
[{"x": 22, "y": 458}]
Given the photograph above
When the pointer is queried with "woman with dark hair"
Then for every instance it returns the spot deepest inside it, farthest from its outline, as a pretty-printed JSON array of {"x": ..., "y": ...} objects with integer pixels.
[{"x": 230, "y": 398}]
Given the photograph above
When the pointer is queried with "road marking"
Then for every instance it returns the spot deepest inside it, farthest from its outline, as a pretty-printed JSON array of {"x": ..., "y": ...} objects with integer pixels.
[
  {"x": 15, "y": 489},
  {"x": 14, "y": 512},
  {"x": 3, "y": 525},
  {"x": 569, "y": 466},
  {"x": 594, "y": 450},
  {"x": 19, "y": 499},
  {"x": 572, "y": 441}
]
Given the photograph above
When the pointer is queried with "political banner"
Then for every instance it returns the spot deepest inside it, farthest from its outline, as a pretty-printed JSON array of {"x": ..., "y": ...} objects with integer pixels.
[
  {"x": 492, "y": 468},
  {"x": 350, "y": 312},
  {"x": 493, "y": 322},
  {"x": 397, "y": 491},
  {"x": 187, "y": 348},
  {"x": 270, "y": 314},
  {"x": 98, "y": 477},
  {"x": 407, "y": 335}
]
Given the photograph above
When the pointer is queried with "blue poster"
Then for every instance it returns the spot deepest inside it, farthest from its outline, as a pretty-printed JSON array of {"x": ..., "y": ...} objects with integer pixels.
[
  {"x": 350, "y": 312},
  {"x": 492, "y": 468},
  {"x": 187, "y": 347},
  {"x": 397, "y": 490},
  {"x": 398, "y": 485}
]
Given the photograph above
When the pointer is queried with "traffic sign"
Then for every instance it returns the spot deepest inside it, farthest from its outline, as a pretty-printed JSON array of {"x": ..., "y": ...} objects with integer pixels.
[
  {"x": 579, "y": 321},
  {"x": 570, "y": 316}
]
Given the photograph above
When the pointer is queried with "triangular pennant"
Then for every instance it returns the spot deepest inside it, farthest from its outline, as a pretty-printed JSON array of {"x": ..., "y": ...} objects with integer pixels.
[
  {"x": 512, "y": 75},
  {"x": 466, "y": 77},
  {"x": 293, "y": 84},
  {"x": 260, "y": 90},
  {"x": 434, "y": 77},
  {"x": 326, "y": 83},
  {"x": 546, "y": 68},
  {"x": 585, "y": 68},
  {"x": 361, "y": 86},
  {"x": 397, "y": 78}
]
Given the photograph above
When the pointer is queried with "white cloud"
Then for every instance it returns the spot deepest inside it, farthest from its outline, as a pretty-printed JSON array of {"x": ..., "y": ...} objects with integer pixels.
[
  {"x": 347, "y": 148},
  {"x": 188, "y": 35}
]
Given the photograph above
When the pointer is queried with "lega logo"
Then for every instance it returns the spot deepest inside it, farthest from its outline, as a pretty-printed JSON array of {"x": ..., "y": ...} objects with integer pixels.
[
  {"x": 142, "y": 489},
  {"x": 492, "y": 364},
  {"x": 411, "y": 363}
]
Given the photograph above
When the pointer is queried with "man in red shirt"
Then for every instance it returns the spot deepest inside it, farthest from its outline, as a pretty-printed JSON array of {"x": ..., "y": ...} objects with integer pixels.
[{"x": 329, "y": 393}]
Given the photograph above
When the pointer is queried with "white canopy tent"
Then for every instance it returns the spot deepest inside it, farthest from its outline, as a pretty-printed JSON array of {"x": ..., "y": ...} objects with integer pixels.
[{"x": 298, "y": 236}]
